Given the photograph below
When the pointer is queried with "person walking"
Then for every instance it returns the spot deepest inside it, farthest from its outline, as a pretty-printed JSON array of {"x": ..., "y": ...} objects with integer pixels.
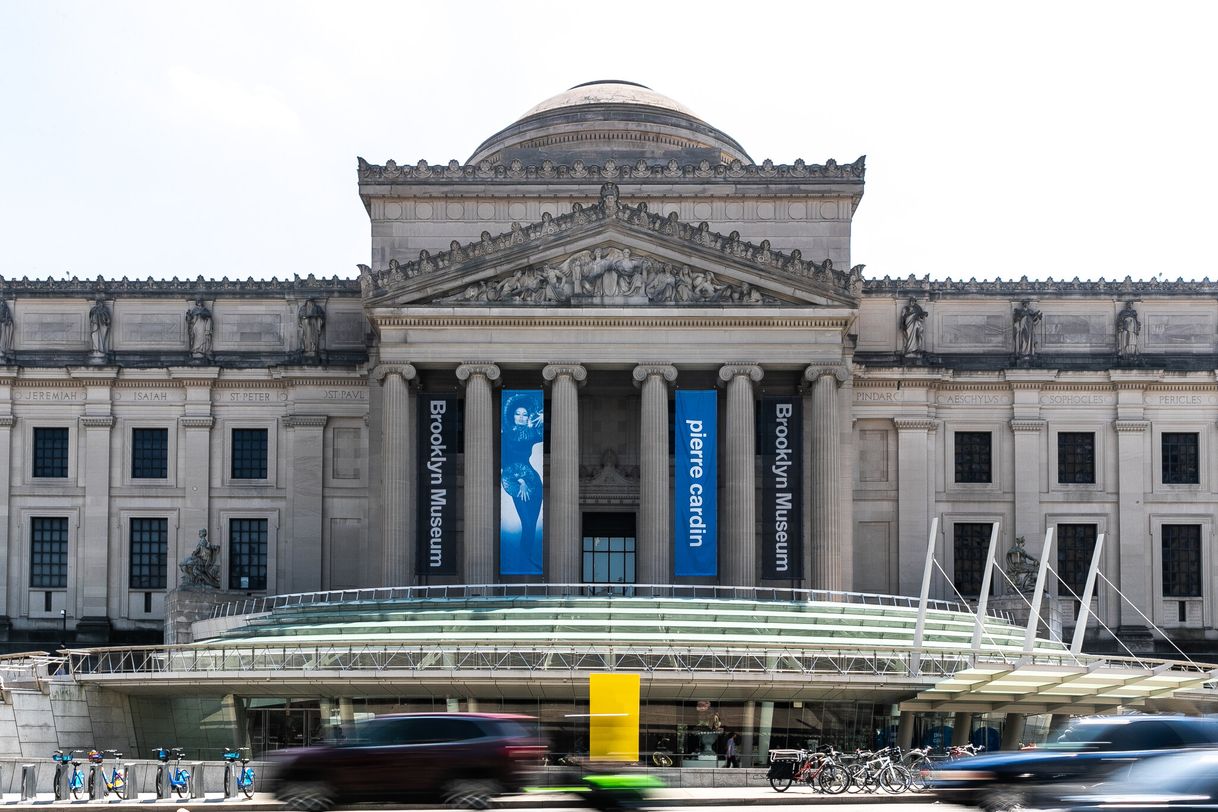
[{"x": 730, "y": 756}]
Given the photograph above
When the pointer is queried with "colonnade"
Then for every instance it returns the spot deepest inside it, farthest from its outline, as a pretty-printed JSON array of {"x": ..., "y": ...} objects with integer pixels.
[{"x": 738, "y": 536}]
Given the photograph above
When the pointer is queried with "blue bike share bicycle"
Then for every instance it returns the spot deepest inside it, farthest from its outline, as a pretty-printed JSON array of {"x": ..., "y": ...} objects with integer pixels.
[
  {"x": 244, "y": 774},
  {"x": 76, "y": 779},
  {"x": 179, "y": 778}
]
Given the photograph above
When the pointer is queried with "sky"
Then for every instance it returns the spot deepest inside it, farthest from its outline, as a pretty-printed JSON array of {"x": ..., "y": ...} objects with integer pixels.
[{"x": 1038, "y": 139}]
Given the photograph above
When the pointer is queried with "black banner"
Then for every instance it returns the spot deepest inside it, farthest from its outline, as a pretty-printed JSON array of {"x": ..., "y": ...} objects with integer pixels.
[
  {"x": 437, "y": 473},
  {"x": 781, "y": 450}
]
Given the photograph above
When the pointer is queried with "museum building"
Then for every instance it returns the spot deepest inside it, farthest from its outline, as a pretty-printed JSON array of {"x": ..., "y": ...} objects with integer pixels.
[{"x": 608, "y": 383}]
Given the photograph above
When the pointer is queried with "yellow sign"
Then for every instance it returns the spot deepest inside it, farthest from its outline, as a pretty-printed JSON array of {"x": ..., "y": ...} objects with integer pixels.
[{"x": 613, "y": 702}]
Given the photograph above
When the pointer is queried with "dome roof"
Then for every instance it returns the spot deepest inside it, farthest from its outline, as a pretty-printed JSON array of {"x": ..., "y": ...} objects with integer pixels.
[{"x": 609, "y": 118}]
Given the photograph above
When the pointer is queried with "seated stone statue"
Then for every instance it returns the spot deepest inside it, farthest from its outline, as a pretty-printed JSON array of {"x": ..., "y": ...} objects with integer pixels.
[
  {"x": 1022, "y": 567},
  {"x": 199, "y": 569}
]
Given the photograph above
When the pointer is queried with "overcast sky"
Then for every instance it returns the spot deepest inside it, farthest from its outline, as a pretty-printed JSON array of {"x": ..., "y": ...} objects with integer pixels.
[{"x": 220, "y": 138}]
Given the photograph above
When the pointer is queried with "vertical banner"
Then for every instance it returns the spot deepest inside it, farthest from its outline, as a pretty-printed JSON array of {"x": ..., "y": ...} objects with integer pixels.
[
  {"x": 781, "y": 486},
  {"x": 696, "y": 485},
  {"x": 613, "y": 718},
  {"x": 437, "y": 475},
  {"x": 521, "y": 497}
]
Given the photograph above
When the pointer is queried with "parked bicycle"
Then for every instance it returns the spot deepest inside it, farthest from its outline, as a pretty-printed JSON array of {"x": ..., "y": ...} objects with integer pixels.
[
  {"x": 917, "y": 761},
  {"x": 879, "y": 770},
  {"x": 116, "y": 781},
  {"x": 964, "y": 750},
  {"x": 244, "y": 775},
  {"x": 179, "y": 778},
  {"x": 819, "y": 769},
  {"x": 76, "y": 779}
]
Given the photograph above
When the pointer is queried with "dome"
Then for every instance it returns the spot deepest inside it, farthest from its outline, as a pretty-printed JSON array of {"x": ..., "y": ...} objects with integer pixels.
[{"x": 609, "y": 118}]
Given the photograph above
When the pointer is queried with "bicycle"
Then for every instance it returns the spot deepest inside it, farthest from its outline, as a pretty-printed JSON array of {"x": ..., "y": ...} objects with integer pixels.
[
  {"x": 179, "y": 779},
  {"x": 877, "y": 770},
  {"x": 917, "y": 761},
  {"x": 819, "y": 770},
  {"x": 244, "y": 776},
  {"x": 76, "y": 781},
  {"x": 116, "y": 782},
  {"x": 662, "y": 757}
]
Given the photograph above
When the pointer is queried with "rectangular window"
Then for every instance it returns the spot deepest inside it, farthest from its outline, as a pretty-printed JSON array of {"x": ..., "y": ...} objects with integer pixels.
[
  {"x": 51, "y": 452},
  {"x": 1181, "y": 457},
  {"x": 973, "y": 457},
  {"x": 247, "y": 553},
  {"x": 249, "y": 453},
  {"x": 1076, "y": 457},
  {"x": 149, "y": 453},
  {"x": 49, "y": 552},
  {"x": 149, "y": 553},
  {"x": 1181, "y": 560},
  {"x": 970, "y": 543},
  {"x": 1075, "y": 546}
]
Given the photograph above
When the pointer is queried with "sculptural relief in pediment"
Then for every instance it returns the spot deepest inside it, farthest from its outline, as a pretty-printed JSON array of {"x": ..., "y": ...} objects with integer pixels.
[{"x": 611, "y": 276}]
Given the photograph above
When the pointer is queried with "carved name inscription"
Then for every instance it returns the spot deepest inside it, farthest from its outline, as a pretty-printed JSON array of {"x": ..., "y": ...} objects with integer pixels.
[
  {"x": 255, "y": 397},
  {"x": 344, "y": 394},
  {"x": 1085, "y": 330},
  {"x": 153, "y": 328},
  {"x": 53, "y": 328},
  {"x": 1069, "y": 399},
  {"x": 1184, "y": 399},
  {"x": 974, "y": 398},
  {"x": 252, "y": 328},
  {"x": 48, "y": 395},
  {"x": 973, "y": 330},
  {"x": 877, "y": 396}
]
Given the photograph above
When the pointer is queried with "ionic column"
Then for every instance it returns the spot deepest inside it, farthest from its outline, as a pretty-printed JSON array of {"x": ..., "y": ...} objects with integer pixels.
[
  {"x": 563, "y": 549},
  {"x": 827, "y": 556},
  {"x": 655, "y": 490},
  {"x": 397, "y": 548},
  {"x": 479, "y": 495},
  {"x": 738, "y": 544}
]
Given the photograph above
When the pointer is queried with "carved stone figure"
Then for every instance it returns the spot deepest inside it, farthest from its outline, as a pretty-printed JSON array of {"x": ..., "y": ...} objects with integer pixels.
[
  {"x": 1129, "y": 327},
  {"x": 199, "y": 330},
  {"x": 200, "y": 568},
  {"x": 1022, "y": 567},
  {"x": 99, "y": 329},
  {"x": 913, "y": 318},
  {"x": 1026, "y": 317},
  {"x": 6, "y": 331},
  {"x": 311, "y": 324}
]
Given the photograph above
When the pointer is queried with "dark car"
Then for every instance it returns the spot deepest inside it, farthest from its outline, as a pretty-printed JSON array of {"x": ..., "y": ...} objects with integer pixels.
[
  {"x": 1086, "y": 752},
  {"x": 1175, "y": 781},
  {"x": 462, "y": 759}
]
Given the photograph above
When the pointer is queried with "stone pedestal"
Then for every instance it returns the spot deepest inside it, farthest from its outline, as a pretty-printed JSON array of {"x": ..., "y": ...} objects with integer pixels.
[
  {"x": 185, "y": 606},
  {"x": 95, "y": 630},
  {"x": 1013, "y": 605}
]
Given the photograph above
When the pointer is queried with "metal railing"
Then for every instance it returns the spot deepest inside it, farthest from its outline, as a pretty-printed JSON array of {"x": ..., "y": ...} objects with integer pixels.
[{"x": 457, "y": 592}]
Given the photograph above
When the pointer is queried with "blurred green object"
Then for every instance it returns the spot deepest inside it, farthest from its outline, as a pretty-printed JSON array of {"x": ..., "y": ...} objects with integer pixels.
[{"x": 624, "y": 781}]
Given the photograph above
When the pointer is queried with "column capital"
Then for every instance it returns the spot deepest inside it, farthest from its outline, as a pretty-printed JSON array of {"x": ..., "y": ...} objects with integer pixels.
[
  {"x": 99, "y": 421},
  {"x": 576, "y": 372},
  {"x": 383, "y": 371},
  {"x": 1123, "y": 426},
  {"x": 647, "y": 369},
  {"x": 815, "y": 372},
  {"x": 1018, "y": 426},
  {"x": 471, "y": 368},
  {"x": 305, "y": 421},
  {"x": 196, "y": 422},
  {"x": 753, "y": 372},
  {"x": 915, "y": 424},
  {"x": 7, "y": 421}
]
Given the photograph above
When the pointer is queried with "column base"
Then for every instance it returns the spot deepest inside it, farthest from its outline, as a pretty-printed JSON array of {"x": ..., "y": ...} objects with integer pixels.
[
  {"x": 1139, "y": 639},
  {"x": 93, "y": 630}
]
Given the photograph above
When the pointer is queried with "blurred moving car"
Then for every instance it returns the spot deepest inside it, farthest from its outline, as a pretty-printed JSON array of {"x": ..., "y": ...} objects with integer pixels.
[
  {"x": 461, "y": 759},
  {"x": 1086, "y": 752},
  {"x": 1179, "y": 781}
]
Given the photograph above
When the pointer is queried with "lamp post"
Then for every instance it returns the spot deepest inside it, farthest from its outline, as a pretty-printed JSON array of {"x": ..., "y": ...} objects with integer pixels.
[{"x": 63, "y": 628}]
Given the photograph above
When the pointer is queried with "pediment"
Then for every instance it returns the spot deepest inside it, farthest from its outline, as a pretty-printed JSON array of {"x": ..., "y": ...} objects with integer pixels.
[{"x": 611, "y": 254}]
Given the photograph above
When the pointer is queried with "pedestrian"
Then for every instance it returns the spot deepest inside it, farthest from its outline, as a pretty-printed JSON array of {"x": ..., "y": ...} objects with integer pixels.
[{"x": 730, "y": 756}]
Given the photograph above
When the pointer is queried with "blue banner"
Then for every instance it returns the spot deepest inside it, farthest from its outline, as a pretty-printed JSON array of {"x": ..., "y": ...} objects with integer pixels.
[
  {"x": 695, "y": 551},
  {"x": 521, "y": 495}
]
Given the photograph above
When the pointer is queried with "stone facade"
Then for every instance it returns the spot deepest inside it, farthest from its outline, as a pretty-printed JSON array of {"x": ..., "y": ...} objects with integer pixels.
[{"x": 609, "y": 282}]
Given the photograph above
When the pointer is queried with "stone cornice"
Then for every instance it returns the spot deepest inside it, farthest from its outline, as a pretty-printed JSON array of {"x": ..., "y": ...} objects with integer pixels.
[
  {"x": 183, "y": 289},
  {"x": 97, "y": 421},
  {"x": 1019, "y": 426},
  {"x": 1123, "y": 426},
  {"x": 640, "y": 318},
  {"x": 515, "y": 171},
  {"x": 648, "y": 368},
  {"x": 1026, "y": 288},
  {"x": 196, "y": 422},
  {"x": 822, "y": 275}
]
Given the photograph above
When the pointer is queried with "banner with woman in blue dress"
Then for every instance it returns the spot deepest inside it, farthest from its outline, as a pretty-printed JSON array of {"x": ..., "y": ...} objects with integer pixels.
[{"x": 521, "y": 496}]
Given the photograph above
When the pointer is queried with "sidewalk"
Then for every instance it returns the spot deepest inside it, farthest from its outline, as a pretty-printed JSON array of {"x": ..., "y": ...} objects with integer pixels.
[{"x": 677, "y": 796}]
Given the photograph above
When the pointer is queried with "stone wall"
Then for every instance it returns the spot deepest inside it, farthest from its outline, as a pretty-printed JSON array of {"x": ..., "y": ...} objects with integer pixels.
[{"x": 185, "y": 606}]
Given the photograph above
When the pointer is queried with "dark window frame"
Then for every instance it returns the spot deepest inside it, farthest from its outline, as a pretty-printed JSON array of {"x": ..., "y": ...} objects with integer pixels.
[
  {"x": 248, "y": 544},
  {"x": 249, "y": 451},
  {"x": 52, "y": 448},
  {"x": 149, "y": 452},
  {"x": 1075, "y": 549},
  {"x": 1076, "y": 458},
  {"x": 974, "y": 459},
  {"x": 1180, "y": 560},
  {"x": 970, "y": 545},
  {"x": 148, "y": 556},
  {"x": 49, "y": 539},
  {"x": 1181, "y": 457}
]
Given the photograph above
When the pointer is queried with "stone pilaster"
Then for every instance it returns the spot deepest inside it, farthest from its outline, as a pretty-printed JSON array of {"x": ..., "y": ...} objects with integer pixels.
[
  {"x": 913, "y": 500},
  {"x": 828, "y": 557},
  {"x": 194, "y": 476},
  {"x": 480, "y": 479},
  {"x": 738, "y": 542},
  {"x": 1134, "y": 552},
  {"x": 655, "y": 486},
  {"x": 563, "y": 554},
  {"x": 94, "y": 590},
  {"x": 302, "y": 562},
  {"x": 1028, "y": 439},
  {"x": 397, "y": 527}
]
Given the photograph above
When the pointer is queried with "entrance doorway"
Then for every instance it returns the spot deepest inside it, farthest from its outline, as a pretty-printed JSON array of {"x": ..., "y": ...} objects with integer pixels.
[{"x": 609, "y": 552}]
